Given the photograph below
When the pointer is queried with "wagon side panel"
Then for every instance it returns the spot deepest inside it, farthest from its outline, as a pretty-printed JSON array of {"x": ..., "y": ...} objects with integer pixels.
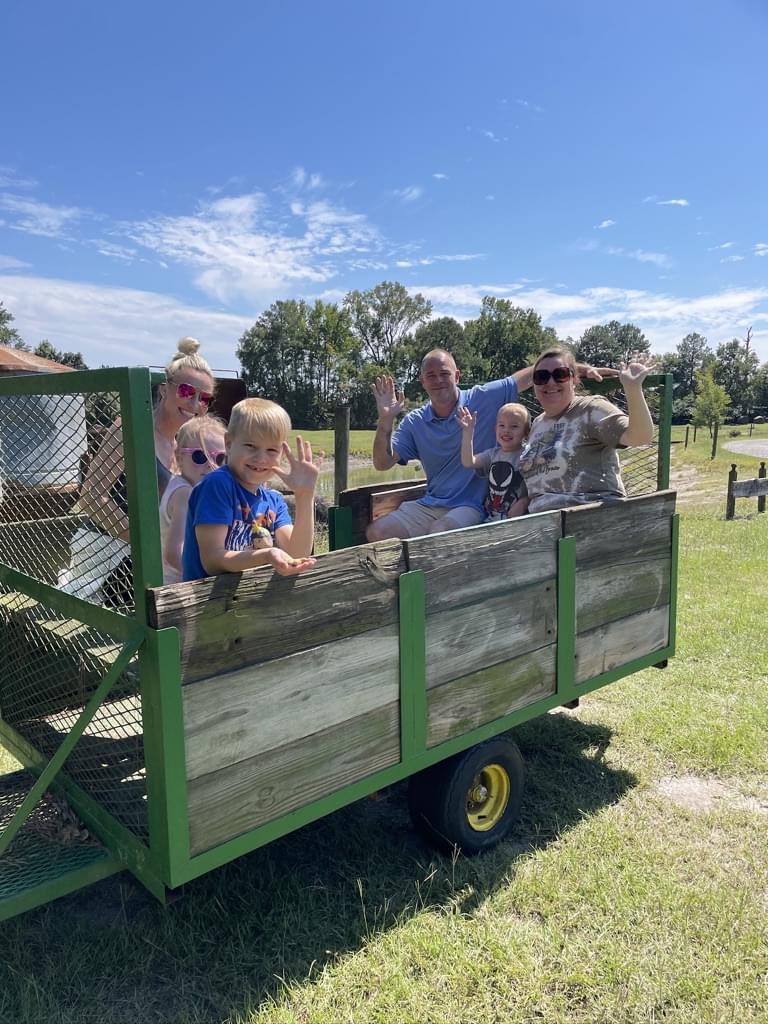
[{"x": 491, "y": 621}]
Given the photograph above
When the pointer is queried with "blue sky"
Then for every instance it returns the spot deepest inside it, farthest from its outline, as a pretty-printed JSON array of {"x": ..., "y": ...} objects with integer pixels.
[{"x": 171, "y": 169}]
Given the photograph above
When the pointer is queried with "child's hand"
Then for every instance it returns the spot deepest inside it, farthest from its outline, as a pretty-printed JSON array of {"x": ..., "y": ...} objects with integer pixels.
[
  {"x": 302, "y": 473},
  {"x": 284, "y": 565},
  {"x": 466, "y": 420}
]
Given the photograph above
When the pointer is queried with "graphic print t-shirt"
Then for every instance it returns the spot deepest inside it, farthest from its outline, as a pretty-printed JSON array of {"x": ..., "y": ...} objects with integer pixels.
[
  {"x": 571, "y": 459},
  {"x": 220, "y": 499},
  {"x": 505, "y": 482}
]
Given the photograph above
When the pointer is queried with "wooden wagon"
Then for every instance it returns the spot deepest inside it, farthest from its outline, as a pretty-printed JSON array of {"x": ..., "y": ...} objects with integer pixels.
[{"x": 215, "y": 716}]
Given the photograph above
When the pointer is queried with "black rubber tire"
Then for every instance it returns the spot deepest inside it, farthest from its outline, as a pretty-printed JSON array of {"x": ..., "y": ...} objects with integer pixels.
[{"x": 438, "y": 796}]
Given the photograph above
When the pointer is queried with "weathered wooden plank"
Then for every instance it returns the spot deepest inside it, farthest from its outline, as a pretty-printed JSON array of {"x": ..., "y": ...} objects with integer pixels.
[
  {"x": 464, "y": 704},
  {"x": 358, "y": 499},
  {"x": 626, "y": 530},
  {"x": 243, "y": 619},
  {"x": 229, "y": 802},
  {"x": 467, "y": 566},
  {"x": 384, "y": 502},
  {"x": 464, "y": 640},
  {"x": 750, "y": 488},
  {"x": 617, "y": 643},
  {"x": 604, "y": 594},
  {"x": 236, "y": 716}
]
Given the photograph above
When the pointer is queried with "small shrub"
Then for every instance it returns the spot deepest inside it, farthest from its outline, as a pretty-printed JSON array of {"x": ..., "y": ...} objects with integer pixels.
[{"x": 734, "y": 433}]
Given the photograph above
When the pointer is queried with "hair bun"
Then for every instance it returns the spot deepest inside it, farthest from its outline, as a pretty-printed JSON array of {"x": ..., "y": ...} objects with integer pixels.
[{"x": 188, "y": 346}]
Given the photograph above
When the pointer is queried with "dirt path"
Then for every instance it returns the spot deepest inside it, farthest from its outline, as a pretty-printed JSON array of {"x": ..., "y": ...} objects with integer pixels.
[{"x": 757, "y": 447}]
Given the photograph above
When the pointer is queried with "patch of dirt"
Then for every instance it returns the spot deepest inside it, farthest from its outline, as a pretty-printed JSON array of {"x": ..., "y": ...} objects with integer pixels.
[{"x": 699, "y": 794}]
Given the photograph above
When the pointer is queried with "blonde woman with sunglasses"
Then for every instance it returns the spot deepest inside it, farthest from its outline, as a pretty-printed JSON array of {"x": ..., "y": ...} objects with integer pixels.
[
  {"x": 570, "y": 457},
  {"x": 100, "y": 569}
]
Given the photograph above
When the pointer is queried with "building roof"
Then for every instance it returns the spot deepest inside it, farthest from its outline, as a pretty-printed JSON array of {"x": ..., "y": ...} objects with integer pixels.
[{"x": 13, "y": 360}]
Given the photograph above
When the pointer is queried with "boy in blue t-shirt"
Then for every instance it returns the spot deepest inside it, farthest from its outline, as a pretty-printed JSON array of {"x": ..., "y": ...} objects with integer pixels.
[{"x": 235, "y": 522}]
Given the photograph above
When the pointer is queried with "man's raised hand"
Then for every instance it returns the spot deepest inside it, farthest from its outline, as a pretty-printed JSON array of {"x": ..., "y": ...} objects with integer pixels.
[{"x": 389, "y": 402}]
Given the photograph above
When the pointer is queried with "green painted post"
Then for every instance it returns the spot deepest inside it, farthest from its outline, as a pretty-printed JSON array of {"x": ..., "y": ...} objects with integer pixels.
[
  {"x": 566, "y": 618},
  {"x": 675, "y": 548},
  {"x": 339, "y": 527},
  {"x": 141, "y": 480},
  {"x": 164, "y": 757},
  {"x": 665, "y": 434},
  {"x": 413, "y": 666}
]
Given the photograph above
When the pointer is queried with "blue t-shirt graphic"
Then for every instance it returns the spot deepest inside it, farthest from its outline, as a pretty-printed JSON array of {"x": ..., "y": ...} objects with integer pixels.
[{"x": 220, "y": 499}]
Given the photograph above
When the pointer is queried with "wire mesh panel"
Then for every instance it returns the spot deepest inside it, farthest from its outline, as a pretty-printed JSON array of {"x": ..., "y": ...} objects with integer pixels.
[
  {"x": 63, "y": 494},
  {"x": 51, "y": 667}
]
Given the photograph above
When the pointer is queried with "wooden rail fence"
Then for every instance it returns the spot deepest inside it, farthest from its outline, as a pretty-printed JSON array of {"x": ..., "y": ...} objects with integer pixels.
[{"x": 756, "y": 488}]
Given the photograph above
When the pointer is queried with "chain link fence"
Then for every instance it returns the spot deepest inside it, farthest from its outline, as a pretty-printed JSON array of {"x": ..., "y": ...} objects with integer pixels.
[{"x": 64, "y": 522}]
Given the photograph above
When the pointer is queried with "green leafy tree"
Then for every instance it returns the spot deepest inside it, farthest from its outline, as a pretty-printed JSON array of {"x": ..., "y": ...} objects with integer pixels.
[
  {"x": 711, "y": 401},
  {"x": 302, "y": 357},
  {"x": 9, "y": 336},
  {"x": 46, "y": 351},
  {"x": 505, "y": 338},
  {"x": 693, "y": 354},
  {"x": 612, "y": 343},
  {"x": 383, "y": 318},
  {"x": 761, "y": 391},
  {"x": 735, "y": 369}
]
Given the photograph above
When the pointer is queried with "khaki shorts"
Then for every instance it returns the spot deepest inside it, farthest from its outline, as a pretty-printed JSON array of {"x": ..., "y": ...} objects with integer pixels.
[{"x": 414, "y": 518}]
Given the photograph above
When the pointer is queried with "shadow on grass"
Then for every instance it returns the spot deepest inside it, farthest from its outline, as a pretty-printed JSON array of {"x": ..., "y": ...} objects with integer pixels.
[{"x": 279, "y": 916}]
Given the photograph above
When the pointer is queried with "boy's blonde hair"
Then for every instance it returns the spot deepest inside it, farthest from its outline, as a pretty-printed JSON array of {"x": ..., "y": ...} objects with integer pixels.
[
  {"x": 259, "y": 416},
  {"x": 193, "y": 431},
  {"x": 518, "y": 408}
]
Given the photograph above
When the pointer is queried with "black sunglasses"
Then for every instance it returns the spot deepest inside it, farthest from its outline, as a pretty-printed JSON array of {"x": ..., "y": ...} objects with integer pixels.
[
  {"x": 200, "y": 458},
  {"x": 560, "y": 374}
]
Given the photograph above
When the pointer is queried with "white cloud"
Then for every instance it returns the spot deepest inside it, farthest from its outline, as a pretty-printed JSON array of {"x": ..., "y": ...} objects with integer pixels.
[
  {"x": 725, "y": 245},
  {"x": 409, "y": 193},
  {"x": 760, "y": 249},
  {"x": 237, "y": 248},
  {"x": 732, "y": 259},
  {"x": 439, "y": 176},
  {"x": 528, "y": 105},
  {"x": 673, "y": 202},
  {"x": 605, "y": 224},
  {"x": 119, "y": 326},
  {"x": 490, "y": 135},
  {"x": 36, "y": 218},
  {"x": 10, "y": 179},
  {"x": 11, "y": 263},
  {"x": 657, "y": 258}
]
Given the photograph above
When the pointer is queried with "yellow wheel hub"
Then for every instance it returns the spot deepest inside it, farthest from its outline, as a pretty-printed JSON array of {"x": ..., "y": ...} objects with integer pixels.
[{"x": 487, "y": 798}]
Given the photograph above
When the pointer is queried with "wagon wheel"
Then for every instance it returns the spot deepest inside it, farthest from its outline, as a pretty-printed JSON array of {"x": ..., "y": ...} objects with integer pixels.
[{"x": 471, "y": 800}]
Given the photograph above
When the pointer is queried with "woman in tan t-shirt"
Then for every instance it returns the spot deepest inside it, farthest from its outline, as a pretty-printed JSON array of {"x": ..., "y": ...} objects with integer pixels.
[{"x": 570, "y": 456}]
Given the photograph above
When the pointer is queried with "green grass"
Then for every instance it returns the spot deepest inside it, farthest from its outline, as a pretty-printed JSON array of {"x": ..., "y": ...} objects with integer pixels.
[{"x": 609, "y": 905}]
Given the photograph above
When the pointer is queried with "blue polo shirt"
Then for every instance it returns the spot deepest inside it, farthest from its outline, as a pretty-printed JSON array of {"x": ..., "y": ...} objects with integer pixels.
[{"x": 436, "y": 442}]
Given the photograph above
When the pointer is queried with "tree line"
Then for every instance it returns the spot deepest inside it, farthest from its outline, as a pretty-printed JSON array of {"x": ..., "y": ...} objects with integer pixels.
[{"x": 313, "y": 357}]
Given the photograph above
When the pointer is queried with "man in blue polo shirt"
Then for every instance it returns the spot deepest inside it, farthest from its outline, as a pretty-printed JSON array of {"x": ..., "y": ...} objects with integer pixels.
[{"x": 432, "y": 434}]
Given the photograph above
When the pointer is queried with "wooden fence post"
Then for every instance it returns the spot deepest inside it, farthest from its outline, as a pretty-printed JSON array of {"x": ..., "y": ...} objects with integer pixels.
[
  {"x": 714, "y": 441},
  {"x": 340, "y": 451},
  {"x": 730, "y": 501},
  {"x": 761, "y": 499},
  {"x": 686, "y": 436},
  {"x": 694, "y": 433},
  {"x": 751, "y": 425}
]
